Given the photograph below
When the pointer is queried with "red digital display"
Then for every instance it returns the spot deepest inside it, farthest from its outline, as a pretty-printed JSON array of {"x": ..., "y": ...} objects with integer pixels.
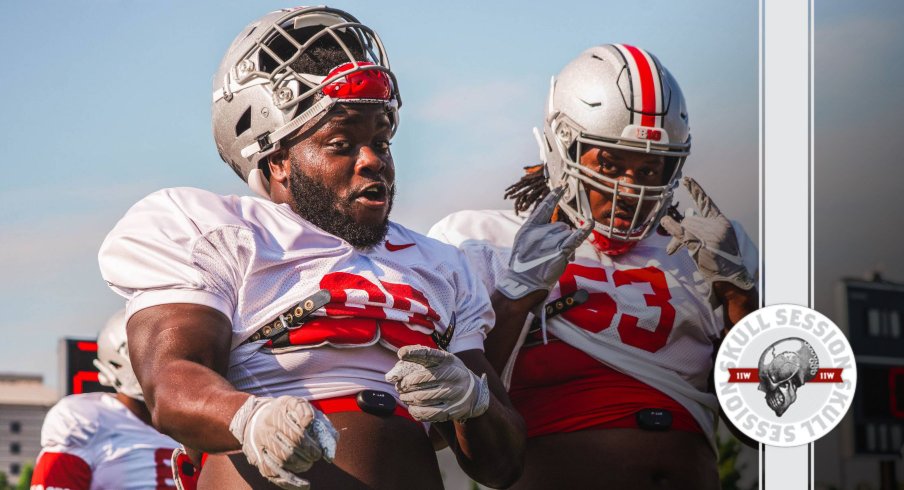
[{"x": 81, "y": 375}]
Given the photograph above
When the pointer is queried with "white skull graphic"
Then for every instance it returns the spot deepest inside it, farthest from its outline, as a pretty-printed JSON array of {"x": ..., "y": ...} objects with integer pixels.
[{"x": 784, "y": 367}]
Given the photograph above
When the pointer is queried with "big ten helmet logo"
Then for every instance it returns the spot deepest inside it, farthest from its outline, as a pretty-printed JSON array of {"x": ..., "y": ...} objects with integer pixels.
[{"x": 765, "y": 361}]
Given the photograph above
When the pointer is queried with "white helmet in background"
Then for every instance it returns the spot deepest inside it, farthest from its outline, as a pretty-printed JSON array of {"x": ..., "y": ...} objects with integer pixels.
[
  {"x": 113, "y": 358},
  {"x": 260, "y": 98},
  {"x": 615, "y": 96}
]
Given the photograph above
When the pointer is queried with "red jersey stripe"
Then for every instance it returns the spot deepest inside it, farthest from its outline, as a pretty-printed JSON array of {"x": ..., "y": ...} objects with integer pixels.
[{"x": 61, "y": 470}]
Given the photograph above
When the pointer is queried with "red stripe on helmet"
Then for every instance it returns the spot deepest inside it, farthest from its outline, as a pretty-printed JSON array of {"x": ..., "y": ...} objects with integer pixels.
[{"x": 647, "y": 87}]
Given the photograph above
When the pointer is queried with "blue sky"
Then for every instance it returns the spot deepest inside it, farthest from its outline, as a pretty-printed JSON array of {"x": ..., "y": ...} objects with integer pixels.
[
  {"x": 108, "y": 100},
  {"x": 859, "y": 102}
]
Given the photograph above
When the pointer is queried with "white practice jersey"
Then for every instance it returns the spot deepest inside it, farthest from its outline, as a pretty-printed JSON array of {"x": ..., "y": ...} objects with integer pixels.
[
  {"x": 93, "y": 441},
  {"x": 252, "y": 260},
  {"x": 648, "y": 313}
]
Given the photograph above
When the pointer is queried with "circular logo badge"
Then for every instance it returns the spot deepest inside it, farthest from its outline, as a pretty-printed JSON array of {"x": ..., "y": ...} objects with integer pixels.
[{"x": 785, "y": 375}]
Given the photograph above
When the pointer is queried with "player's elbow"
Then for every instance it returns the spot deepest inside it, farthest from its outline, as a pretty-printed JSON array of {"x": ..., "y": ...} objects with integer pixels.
[
  {"x": 162, "y": 416},
  {"x": 168, "y": 410},
  {"x": 508, "y": 476},
  {"x": 502, "y": 467},
  {"x": 500, "y": 472}
]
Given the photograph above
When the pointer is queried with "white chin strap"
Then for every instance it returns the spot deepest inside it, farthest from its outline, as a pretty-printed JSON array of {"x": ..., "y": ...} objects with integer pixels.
[{"x": 258, "y": 183}]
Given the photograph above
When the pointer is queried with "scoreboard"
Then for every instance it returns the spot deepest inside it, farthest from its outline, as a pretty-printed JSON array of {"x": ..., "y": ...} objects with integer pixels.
[
  {"x": 873, "y": 313},
  {"x": 77, "y": 366}
]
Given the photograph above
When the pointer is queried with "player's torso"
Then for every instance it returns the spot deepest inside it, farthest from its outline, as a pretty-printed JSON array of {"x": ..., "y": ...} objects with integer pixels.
[
  {"x": 645, "y": 304},
  {"x": 130, "y": 464},
  {"x": 126, "y": 453},
  {"x": 400, "y": 292},
  {"x": 402, "y": 285}
]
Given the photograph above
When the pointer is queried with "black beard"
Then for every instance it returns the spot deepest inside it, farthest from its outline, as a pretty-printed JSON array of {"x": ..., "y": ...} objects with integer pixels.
[{"x": 323, "y": 208}]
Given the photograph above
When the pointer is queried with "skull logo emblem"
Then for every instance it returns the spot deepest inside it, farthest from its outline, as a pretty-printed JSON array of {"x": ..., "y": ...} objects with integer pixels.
[{"x": 784, "y": 367}]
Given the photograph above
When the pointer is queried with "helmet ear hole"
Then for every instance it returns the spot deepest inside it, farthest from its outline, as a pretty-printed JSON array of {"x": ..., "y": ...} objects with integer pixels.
[
  {"x": 244, "y": 122},
  {"x": 264, "y": 165}
]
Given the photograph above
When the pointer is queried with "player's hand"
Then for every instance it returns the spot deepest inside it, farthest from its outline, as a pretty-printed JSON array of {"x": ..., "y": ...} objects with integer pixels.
[
  {"x": 283, "y": 437},
  {"x": 710, "y": 240},
  {"x": 541, "y": 250},
  {"x": 437, "y": 386}
]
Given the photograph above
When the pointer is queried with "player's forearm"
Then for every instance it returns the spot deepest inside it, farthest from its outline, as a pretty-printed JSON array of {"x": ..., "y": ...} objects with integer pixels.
[
  {"x": 491, "y": 448},
  {"x": 736, "y": 302},
  {"x": 195, "y": 405},
  {"x": 510, "y": 317}
]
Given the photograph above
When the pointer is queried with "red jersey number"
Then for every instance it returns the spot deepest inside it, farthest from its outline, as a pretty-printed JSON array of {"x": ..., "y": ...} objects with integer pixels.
[
  {"x": 356, "y": 296},
  {"x": 598, "y": 312},
  {"x": 360, "y": 309},
  {"x": 164, "y": 470}
]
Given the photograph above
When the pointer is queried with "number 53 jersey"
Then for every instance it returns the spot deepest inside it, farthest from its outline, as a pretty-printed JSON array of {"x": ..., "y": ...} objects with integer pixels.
[{"x": 647, "y": 313}]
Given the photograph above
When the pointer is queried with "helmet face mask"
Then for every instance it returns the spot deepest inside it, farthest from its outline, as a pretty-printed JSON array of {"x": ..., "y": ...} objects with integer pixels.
[
  {"x": 615, "y": 97},
  {"x": 261, "y": 96}
]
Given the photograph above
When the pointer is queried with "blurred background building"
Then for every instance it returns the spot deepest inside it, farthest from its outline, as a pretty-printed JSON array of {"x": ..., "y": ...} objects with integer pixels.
[{"x": 24, "y": 401}]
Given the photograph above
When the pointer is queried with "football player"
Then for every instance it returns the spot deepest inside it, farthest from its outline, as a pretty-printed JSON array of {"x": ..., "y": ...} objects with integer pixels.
[
  {"x": 611, "y": 370},
  {"x": 252, "y": 317},
  {"x": 103, "y": 440}
]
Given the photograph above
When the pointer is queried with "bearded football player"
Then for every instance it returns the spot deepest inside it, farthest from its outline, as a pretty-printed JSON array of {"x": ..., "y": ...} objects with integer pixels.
[
  {"x": 299, "y": 338},
  {"x": 608, "y": 356},
  {"x": 104, "y": 440}
]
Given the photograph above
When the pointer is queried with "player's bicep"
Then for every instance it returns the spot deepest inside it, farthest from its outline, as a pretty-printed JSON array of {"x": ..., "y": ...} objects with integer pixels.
[{"x": 165, "y": 336}]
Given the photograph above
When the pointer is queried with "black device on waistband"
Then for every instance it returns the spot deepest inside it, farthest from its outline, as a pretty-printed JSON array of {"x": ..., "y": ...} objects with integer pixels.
[
  {"x": 376, "y": 402},
  {"x": 654, "y": 419}
]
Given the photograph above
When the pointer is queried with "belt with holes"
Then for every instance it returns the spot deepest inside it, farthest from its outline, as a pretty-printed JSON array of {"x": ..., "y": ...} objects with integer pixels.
[
  {"x": 560, "y": 306},
  {"x": 277, "y": 330}
]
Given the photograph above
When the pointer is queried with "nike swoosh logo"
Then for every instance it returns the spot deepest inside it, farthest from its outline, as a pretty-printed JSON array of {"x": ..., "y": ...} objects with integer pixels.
[
  {"x": 734, "y": 259},
  {"x": 519, "y": 266},
  {"x": 395, "y": 248}
]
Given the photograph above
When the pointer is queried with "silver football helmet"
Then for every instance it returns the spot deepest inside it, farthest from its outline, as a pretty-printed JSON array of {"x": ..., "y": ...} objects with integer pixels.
[
  {"x": 259, "y": 98},
  {"x": 113, "y": 358},
  {"x": 614, "y": 96}
]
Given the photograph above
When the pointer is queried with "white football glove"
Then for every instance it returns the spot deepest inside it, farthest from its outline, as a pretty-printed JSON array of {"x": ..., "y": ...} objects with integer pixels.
[
  {"x": 437, "y": 386},
  {"x": 710, "y": 240},
  {"x": 282, "y": 437},
  {"x": 541, "y": 250}
]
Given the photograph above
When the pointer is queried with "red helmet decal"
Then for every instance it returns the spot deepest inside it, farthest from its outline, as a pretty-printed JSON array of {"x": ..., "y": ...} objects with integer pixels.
[
  {"x": 362, "y": 84},
  {"x": 649, "y": 134}
]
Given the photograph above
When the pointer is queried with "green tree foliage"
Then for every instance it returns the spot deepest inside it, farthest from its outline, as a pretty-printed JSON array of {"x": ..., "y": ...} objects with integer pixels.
[
  {"x": 25, "y": 477},
  {"x": 729, "y": 468}
]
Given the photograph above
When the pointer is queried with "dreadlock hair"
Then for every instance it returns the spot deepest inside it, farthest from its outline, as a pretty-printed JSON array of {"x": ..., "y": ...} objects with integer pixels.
[{"x": 530, "y": 189}]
